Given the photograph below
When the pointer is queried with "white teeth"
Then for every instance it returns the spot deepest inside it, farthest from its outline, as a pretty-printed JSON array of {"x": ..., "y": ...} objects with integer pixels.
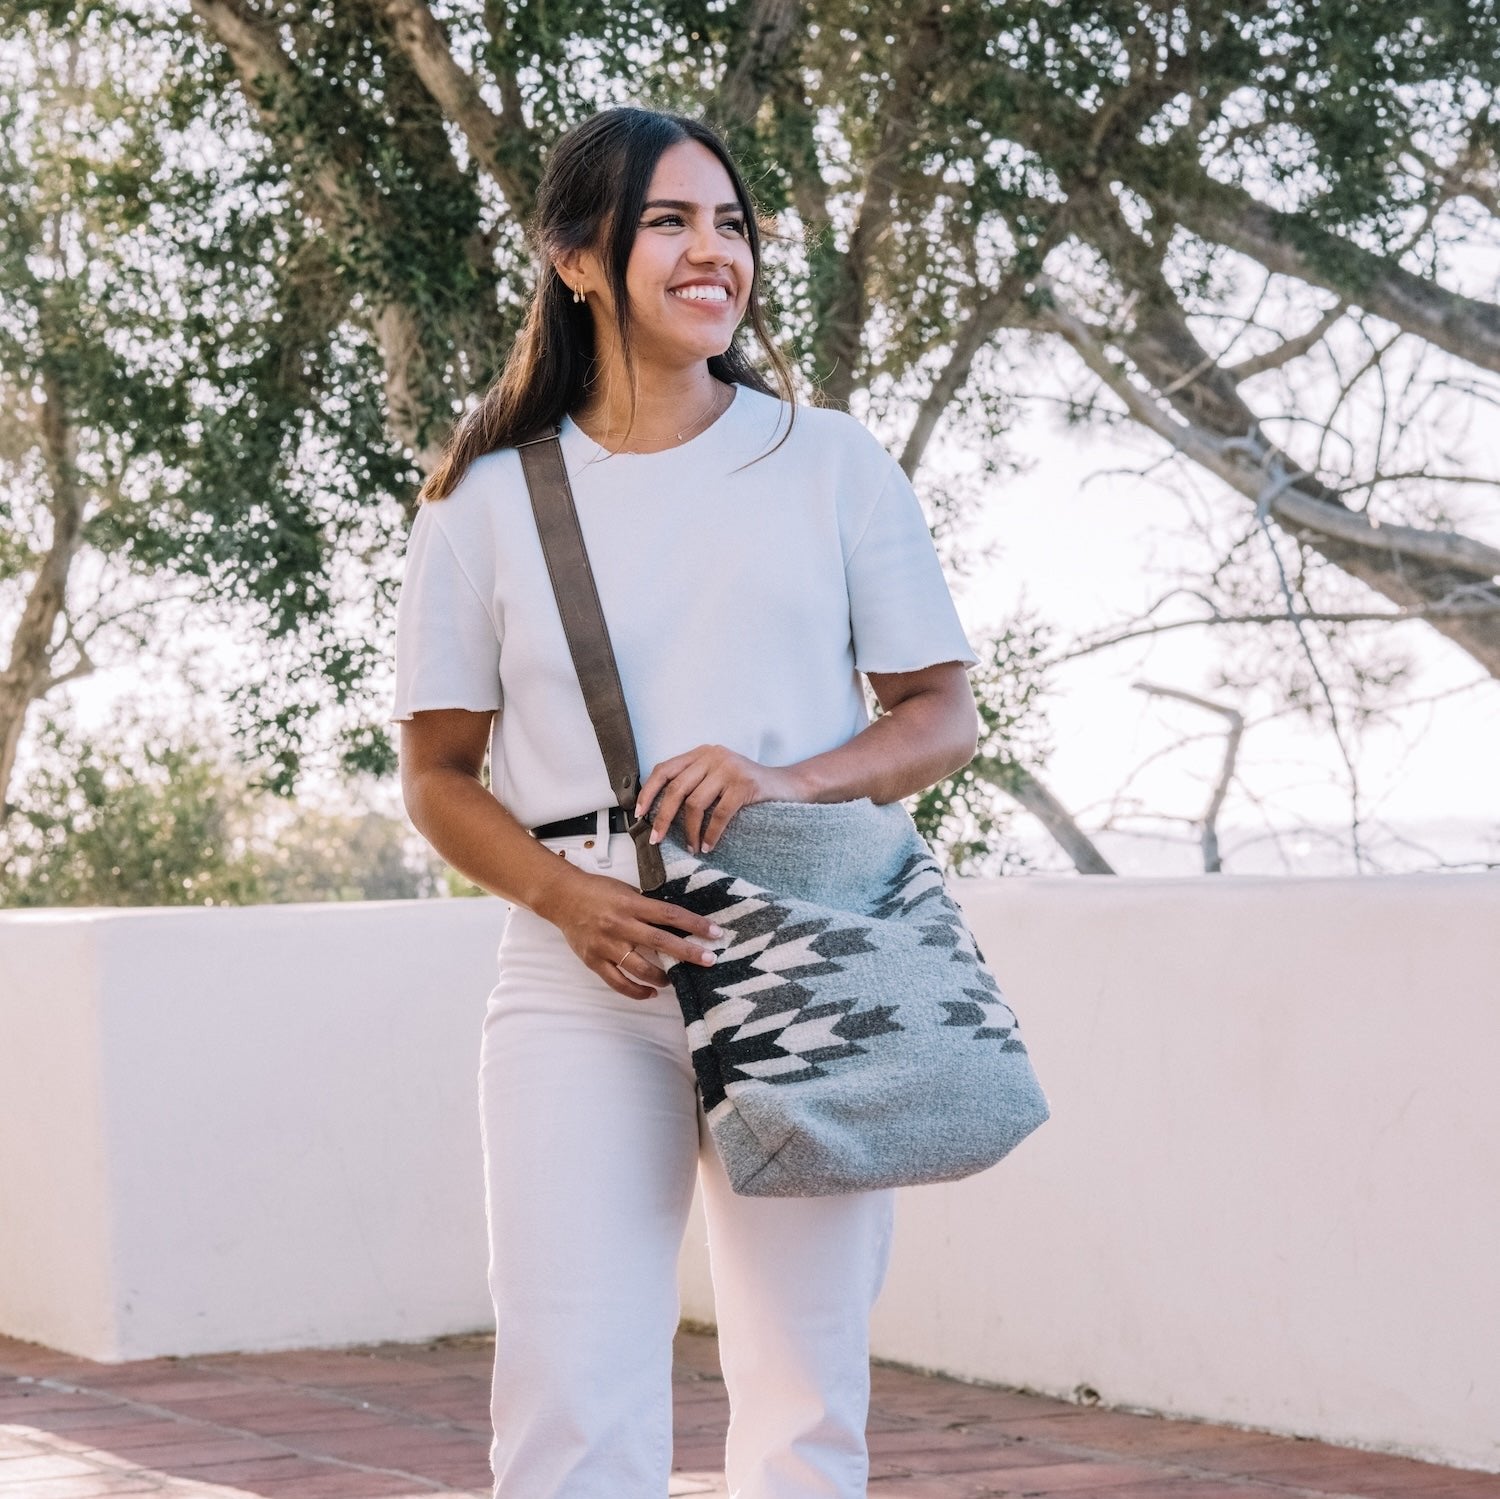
[{"x": 701, "y": 293}]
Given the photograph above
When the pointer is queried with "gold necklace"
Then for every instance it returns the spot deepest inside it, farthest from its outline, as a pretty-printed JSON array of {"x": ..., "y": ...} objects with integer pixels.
[{"x": 713, "y": 402}]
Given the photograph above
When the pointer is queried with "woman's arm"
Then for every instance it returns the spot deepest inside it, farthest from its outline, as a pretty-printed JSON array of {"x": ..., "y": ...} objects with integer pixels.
[
  {"x": 928, "y": 730},
  {"x": 442, "y": 754}
]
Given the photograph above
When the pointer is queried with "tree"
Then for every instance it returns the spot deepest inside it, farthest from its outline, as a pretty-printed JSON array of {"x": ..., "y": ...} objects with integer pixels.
[
  {"x": 151, "y": 815},
  {"x": 982, "y": 202},
  {"x": 187, "y": 426}
]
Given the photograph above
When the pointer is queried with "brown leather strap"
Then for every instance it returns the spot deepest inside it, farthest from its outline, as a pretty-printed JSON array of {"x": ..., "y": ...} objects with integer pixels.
[{"x": 588, "y": 636}]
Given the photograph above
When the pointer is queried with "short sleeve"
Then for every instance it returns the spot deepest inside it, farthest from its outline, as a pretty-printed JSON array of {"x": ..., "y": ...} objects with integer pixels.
[
  {"x": 447, "y": 646},
  {"x": 901, "y": 613}
]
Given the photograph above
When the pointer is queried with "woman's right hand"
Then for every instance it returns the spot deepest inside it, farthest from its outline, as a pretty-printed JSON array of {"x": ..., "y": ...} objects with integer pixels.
[{"x": 617, "y": 932}]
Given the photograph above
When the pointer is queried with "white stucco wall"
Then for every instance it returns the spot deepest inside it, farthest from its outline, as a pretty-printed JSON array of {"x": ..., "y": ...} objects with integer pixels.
[
  {"x": 251, "y": 1128},
  {"x": 1270, "y": 1190},
  {"x": 1269, "y": 1193}
]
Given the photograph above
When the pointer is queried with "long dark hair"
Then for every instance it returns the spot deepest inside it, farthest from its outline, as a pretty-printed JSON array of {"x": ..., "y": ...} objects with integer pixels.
[{"x": 595, "y": 182}]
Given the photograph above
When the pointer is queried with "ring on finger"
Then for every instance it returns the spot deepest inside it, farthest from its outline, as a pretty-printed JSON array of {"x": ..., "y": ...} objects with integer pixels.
[{"x": 620, "y": 961}]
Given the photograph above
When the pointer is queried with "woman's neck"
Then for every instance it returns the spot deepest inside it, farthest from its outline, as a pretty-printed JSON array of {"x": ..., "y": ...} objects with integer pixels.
[{"x": 670, "y": 409}]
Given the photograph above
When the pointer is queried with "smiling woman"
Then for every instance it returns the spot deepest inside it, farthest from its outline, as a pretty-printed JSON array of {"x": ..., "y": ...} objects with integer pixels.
[
  {"x": 688, "y": 282},
  {"x": 636, "y": 208},
  {"x": 750, "y": 566}
]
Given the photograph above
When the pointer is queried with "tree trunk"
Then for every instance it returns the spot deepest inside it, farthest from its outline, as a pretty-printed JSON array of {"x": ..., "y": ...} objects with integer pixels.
[
  {"x": 28, "y": 674},
  {"x": 1057, "y": 820}
]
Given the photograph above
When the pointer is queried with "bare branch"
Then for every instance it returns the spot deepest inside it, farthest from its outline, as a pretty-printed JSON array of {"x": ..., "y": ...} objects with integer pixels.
[
  {"x": 1288, "y": 349},
  {"x": 1208, "y": 824},
  {"x": 1465, "y": 327},
  {"x": 1058, "y": 821},
  {"x": 1346, "y": 391},
  {"x": 1245, "y": 462},
  {"x": 1315, "y": 667},
  {"x": 1409, "y": 565},
  {"x": 988, "y": 313},
  {"x": 1315, "y": 616},
  {"x": 1408, "y": 476}
]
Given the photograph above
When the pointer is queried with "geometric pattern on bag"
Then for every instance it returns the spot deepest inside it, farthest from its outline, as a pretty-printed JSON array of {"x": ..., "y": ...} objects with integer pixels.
[
  {"x": 920, "y": 880},
  {"x": 758, "y": 1021},
  {"x": 815, "y": 1003},
  {"x": 751, "y": 1016}
]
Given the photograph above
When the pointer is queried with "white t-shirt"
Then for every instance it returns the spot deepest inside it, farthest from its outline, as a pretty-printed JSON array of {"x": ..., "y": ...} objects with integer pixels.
[{"x": 742, "y": 599}]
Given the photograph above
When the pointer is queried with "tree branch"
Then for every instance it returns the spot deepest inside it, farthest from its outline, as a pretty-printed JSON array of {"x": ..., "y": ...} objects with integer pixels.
[
  {"x": 1291, "y": 246},
  {"x": 1287, "y": 244},
  {"x": 1288, "y": 349},
  {"x": 769, "y": 27},
  {"x": 1246, "y": 461},
  {"x": 501, "y": 144},
  {"x": 1283, "y": 617},
  {"x": 848, "y": 307},
  {"x": 990, "y": 312},
  {"x": 1471, "y": 175},
  {"x": 1406, "y": 564},
  {"x": 1057, "y": 820},
  {"x": 1209, "y": 823},
  {"x": 264, "y": 70},
  {"x": 27, "y": 674}
]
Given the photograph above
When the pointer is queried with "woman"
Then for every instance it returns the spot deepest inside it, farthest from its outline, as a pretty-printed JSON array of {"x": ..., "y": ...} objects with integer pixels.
[{"x": 750, "y": 567}]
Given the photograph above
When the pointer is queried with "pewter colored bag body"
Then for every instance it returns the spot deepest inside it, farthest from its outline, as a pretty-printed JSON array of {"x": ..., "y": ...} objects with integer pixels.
[{"x": 849, "y": 1036}]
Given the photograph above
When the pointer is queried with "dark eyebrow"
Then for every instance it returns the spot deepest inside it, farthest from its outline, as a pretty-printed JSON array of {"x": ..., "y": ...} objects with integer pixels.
[{"x": 687, "y": 207}]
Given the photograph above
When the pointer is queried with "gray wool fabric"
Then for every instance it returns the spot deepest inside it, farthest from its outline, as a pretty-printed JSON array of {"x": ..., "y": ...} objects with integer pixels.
[{"x": 850, "y": 1035}]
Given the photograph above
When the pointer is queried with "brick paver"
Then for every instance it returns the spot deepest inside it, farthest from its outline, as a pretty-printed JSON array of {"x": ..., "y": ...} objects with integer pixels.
[{"x": 411, "y": 1420}]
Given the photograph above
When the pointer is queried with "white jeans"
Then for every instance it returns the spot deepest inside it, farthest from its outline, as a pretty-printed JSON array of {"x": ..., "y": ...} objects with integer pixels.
[{"x": 592, "y": 1138}]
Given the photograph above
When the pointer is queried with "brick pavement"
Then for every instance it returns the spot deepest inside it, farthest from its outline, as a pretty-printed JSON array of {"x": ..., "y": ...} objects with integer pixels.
[{"x": 412, "y": 1420}]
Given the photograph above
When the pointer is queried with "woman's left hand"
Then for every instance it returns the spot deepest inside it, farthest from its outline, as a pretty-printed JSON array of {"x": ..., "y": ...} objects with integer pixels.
[{"x": 714, "y": 783}]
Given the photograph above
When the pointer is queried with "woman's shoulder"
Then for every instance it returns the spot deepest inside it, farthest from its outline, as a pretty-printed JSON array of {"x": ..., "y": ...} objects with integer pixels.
[
  {"x": 486, "y": 486},
  {"x": 477, "y": 514},
  {"x": 829, "y": 429}
]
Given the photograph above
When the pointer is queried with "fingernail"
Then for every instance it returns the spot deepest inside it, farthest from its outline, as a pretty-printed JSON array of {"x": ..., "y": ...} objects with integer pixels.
[
  {"x": 655, "y": 836},
  {"x": 708, "y": 957},
  {"x": 636, "y": 814},
  {"x": 715, "y": 931},
  {"x": 708, "y": 848}
]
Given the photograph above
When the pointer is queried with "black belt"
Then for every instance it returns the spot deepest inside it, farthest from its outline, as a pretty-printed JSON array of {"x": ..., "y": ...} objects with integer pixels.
[{"x": 568, "y": 827}]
